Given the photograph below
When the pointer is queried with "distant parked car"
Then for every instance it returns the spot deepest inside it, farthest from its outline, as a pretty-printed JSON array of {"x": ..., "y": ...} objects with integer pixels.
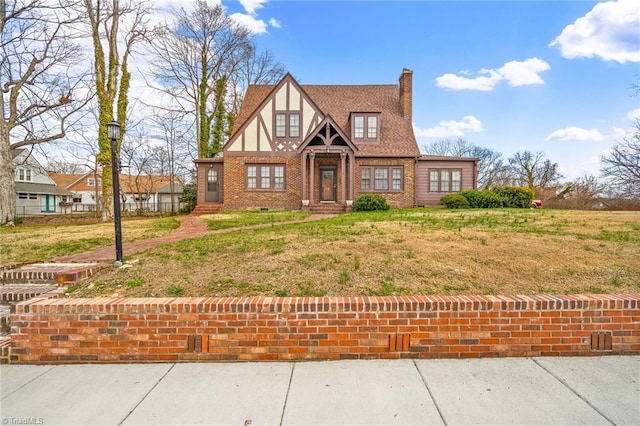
[{"x": 536, "y": 204}]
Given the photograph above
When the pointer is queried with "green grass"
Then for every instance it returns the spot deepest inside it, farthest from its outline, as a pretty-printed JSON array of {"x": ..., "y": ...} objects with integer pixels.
[
  {"x": 62, "y": 248},
  {"x": 408, "y": 251},
  {"x": 241, "y": 219}
]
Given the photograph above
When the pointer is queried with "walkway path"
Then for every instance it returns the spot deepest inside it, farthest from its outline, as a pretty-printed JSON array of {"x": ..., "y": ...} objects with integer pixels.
[{"x": 190, "y": 227}]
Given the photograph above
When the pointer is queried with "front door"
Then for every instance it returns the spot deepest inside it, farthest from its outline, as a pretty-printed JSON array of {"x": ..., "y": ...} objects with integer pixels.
[
  {"x": 48, "y": 204},
  {"x": 212, "y": 193},
  {"x": 328, "y": 184}
]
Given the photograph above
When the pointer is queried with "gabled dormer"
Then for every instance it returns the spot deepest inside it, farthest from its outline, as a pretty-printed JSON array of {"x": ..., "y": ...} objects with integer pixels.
[{"x": 365, "y": 126}]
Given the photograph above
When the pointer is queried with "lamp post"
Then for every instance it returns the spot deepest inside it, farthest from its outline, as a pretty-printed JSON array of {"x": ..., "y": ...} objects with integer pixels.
[{"x": 113, "y": 131}]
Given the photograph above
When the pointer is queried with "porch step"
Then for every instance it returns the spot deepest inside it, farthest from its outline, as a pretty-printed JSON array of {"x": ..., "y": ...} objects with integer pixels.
[
  {"x": 328, "y": 208},
  {"x": 212, "y": 208}
]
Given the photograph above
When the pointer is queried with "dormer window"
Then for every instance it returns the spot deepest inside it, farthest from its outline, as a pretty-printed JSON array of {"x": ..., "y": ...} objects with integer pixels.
[
  {"x": 24, "y": 175},
  {"x": 287, "y": 124},
  {"x": 92, "y": 182},
  {"x": 365, "y": 127}
]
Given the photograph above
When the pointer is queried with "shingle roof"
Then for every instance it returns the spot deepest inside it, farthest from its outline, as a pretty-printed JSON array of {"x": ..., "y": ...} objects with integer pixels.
[
  {"x": 40, "y": 188},
  {"x": 65, "y": 180},
  {"x": 396, "y": 132}
]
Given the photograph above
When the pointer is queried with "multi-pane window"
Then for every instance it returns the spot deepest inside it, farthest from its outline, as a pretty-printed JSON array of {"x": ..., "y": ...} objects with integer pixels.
[
  {"x": 358, "y": 129},
  {"x": 445, "y": 180},
  {"x": 396, "y": 179},
  {"x": 287, "y": 124},
  {"x": 385, "y": 178},
  {"x": 456, "y": 180},
  {"x": 365, "y": 179},
  {"x": 24, "y": 175},
  {"x": 268, "y": 176},
  {"x": 252, "y": 174},
  {"x": 265, "y": 179},
  {"x": 281, "y": 125},
  {"x": 278, "y": 177},
  {"x": 365, "y": 127},
  {"x": 294, "y": 125},
  {"x": 372, "y": 127},
  {"x": 381, "y": 179}
]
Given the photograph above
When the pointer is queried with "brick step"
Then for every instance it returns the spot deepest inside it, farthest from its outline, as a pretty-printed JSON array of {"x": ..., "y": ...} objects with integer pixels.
[
  {"x": 10, "y": 294},
  {"x": 49, "y": 273},
  {"x": 207, "y": 209},
  {"x": 14, "y": 293},
  {"x": 328, "y": 208}
]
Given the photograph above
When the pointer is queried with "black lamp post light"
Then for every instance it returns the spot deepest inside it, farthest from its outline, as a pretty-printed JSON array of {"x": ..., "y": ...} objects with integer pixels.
[{"x": 113, "y": 131}]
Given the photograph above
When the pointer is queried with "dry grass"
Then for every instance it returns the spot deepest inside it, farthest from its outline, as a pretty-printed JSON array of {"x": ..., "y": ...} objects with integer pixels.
[
  {"x": 38, "y": 240},
  {"x": 413, "y": 251}
]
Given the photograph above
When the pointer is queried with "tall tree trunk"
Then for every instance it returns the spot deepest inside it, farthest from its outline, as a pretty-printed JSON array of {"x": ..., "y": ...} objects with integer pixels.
[{"x": 7, "y": 183}]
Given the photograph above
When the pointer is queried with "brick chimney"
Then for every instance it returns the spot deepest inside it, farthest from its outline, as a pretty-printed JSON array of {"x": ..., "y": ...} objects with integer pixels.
[{"x": 406, "y": 97}]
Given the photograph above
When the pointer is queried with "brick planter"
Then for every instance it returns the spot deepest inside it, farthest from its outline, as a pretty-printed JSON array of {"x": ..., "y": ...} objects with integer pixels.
[{"x": 263, "y": 328}]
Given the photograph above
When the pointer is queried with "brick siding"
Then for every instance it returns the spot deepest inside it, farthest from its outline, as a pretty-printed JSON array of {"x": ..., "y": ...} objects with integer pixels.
[
  {"x": 265, "y": 328},
  {"x": 237, "y": 197},
  {"x": 403, "y": 199}
]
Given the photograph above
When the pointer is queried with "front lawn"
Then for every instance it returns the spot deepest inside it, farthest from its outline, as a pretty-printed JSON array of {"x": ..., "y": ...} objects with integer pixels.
[
  {"x": 39, "y": 240},
  {"x": 412, "y": 251}
]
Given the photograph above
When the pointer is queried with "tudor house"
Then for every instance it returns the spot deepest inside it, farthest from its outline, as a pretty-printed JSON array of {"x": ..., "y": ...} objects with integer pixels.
[{"x": 319, "y": 147}]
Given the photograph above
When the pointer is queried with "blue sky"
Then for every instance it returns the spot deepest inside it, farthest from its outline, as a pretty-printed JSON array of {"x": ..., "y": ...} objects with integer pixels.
[{"x": 512, "y": 75}]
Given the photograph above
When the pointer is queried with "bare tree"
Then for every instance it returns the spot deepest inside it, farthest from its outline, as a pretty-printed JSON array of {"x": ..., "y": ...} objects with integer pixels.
[
  {"x": 137, "y": 157},
  {"x": 41, "y": 90},
  {"x": 491, "y": 168},
  {"x": 533, "y": 170},
  {"x": 622, "y": 165},
  {"x": 65, "y": 167},
  {"x": 172, "y": 157},
  {"x": 584, "y": 191},
  {"x": 204, "y": 60},
  {"x": 106, "y": 20}
]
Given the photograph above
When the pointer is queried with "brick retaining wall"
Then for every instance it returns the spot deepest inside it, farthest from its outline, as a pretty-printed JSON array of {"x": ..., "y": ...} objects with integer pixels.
[{"x": 263, "y": 328}]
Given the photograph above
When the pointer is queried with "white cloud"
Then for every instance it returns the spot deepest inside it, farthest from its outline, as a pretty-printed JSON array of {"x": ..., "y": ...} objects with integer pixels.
[
  {"x": 252, "y": 5},
  {"x": 256, "y": 26},
  {"x": 451, "y": 128},
  {"x": 515, "y": 73},
  {"x": 524, "y": 73},
  {"x": 611, "y": 31},
  {"x": 576, "y": 134},
  {"x": 275, "y": 23},
  {"x": 634, "y": 115},
  {"x": 620, "y": 133}
]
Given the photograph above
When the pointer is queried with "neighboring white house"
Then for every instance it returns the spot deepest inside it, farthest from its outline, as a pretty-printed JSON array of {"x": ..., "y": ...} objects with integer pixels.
[
  {"x": 143, "y": 192},
  {"x": 36, "y": 191}
]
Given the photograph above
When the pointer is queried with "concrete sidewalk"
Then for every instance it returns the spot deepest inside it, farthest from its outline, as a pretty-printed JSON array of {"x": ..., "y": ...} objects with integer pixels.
[{"x": 558, "y": 391}]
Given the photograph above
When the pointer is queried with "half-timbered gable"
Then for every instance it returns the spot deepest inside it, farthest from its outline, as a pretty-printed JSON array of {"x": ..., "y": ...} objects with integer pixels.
[
  {"x": 318, "y": 147},
  {"x": 279, "y": 124}
]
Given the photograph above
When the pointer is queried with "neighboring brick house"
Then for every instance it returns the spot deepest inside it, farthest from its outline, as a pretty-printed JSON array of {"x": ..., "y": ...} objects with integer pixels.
[{"x": 318, "y": 147}]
